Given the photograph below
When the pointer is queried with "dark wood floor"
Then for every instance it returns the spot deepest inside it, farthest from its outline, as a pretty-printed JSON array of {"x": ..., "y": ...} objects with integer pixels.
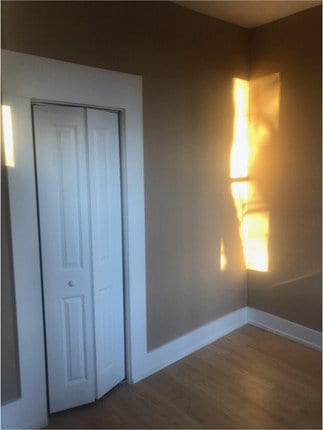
[{"x": 248, "y": 379}]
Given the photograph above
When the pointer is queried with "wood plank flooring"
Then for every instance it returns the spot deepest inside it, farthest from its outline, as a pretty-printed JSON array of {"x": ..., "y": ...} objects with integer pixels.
[{"x": 248, "y": 379}]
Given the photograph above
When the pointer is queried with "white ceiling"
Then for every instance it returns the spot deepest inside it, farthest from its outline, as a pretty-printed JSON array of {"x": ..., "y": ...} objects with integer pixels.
[{"x": 249, "y": 14}]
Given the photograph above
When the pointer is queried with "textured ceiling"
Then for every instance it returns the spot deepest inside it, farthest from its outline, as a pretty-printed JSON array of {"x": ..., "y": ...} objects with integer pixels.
[{"x": 248, "y": 14}]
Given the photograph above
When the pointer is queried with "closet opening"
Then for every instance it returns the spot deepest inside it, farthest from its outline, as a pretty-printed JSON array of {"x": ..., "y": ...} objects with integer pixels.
[{"x": 78, "y": 169}]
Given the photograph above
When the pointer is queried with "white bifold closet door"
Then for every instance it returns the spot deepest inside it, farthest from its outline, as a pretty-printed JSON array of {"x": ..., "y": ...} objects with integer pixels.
[{"x": 78, "y": 180}]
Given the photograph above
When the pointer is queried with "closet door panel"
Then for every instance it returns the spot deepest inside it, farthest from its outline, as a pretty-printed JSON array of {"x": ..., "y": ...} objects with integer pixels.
[
  {"x": 104, "y": 161},
  {"x": 63, "y": 194}
]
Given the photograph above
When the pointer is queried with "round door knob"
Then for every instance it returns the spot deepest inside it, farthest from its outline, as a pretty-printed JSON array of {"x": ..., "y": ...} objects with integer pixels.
[{"x": 71, "y": 283}]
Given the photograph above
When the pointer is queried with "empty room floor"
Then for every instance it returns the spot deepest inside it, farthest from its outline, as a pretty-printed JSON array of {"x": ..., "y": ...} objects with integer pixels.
[{"x": 248, "y": 379}]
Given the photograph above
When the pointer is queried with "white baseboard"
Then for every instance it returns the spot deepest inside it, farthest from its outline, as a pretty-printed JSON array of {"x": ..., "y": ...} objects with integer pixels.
[
  {"x": 165, "y": 355},
  {"x": 289, "y": 329},
  {"x": 179, "y": 348}
]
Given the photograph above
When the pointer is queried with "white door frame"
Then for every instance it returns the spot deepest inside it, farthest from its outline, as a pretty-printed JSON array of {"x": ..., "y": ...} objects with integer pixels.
[{"x": 28, "y": 78}]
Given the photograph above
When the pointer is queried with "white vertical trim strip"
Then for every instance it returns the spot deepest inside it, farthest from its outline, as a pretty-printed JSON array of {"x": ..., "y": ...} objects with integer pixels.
[{"x": 30, "y": 410}]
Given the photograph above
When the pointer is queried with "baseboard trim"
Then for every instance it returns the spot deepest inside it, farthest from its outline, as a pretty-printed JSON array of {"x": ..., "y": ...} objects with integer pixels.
[
  {"x": 159, "y": 358},
  {"x": 296, "y": 332},
  {"x": 165, "y": 355}
]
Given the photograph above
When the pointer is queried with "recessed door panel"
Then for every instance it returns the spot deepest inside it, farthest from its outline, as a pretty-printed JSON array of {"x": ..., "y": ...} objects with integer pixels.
[
  {"x": 70, "y": 198},
  {"x": 75, "y": 346}
]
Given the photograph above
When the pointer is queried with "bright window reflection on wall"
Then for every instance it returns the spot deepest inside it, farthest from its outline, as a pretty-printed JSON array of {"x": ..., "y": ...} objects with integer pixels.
[
  {"x": 256, "y": 113},
  {"x": 7, "y": 136}
]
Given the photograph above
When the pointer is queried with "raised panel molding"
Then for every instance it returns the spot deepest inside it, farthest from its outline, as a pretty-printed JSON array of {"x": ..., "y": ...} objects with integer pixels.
[
  {"x": 103, "y": 302},
  {"x": 101, "y": 171},
  {"x": 68, "y": 177},
  {"x": 75, "y": 339}
]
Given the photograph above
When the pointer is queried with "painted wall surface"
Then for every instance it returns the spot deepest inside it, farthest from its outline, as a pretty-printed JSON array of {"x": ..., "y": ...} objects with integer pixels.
[
  {"x": 287, "y": 169},
  {"x": 188, "y": 62}
]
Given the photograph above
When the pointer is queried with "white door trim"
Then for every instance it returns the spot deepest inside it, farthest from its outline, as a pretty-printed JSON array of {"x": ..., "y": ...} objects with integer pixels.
[{"x": 27, "y": 78}]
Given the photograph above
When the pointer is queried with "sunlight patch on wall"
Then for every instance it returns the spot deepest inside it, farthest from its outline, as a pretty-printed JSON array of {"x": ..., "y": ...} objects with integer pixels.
[
  {"x": 255, "y": 233},
  {"x": 256, "y": 115},
  {"x": 223, "y": 258},
  {"x": 8, "y": 136},
  {"x": 240, "y": 146}
]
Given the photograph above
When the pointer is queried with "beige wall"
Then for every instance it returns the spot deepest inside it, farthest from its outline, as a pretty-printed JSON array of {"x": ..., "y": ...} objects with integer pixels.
[
  {"x": 288, "y": 168},
  {"x": 187, "y": 61}
]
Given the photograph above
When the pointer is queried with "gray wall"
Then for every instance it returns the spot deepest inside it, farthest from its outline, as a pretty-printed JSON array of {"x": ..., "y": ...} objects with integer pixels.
[{"x": 288, "y": 170}]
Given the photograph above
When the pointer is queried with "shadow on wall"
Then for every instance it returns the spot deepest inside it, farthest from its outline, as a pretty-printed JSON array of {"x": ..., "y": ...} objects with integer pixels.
[
  {"x": 297, "y": 297},
  {"x": 310, "y": 282}
]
